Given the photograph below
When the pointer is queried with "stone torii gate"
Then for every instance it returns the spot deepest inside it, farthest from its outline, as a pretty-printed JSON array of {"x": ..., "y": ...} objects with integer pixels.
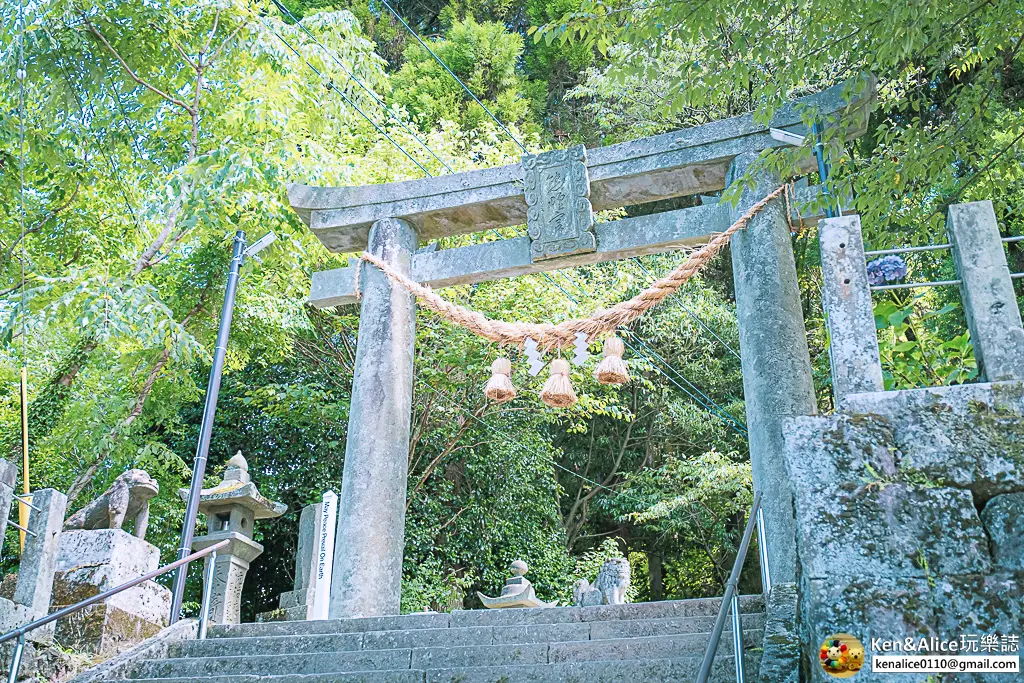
[{"x": 554, "y": 194}]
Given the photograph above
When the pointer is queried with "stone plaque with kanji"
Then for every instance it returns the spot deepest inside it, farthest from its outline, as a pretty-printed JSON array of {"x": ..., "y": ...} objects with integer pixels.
[{"x": 559, "y": 219}]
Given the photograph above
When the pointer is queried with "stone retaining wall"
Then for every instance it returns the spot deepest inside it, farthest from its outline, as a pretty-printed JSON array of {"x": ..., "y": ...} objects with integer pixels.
[{"x": 910, "y": 511}]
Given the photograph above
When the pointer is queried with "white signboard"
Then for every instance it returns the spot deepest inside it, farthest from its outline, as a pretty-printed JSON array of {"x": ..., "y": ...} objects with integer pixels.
[{"x": 324, "y": 556}]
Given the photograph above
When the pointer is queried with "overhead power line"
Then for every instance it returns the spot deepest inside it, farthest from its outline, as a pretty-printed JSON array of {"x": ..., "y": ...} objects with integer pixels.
[
  {"x": 330, "y": 86},
  {"x": 284, "y": 10},
  {"x": 452, "y": 74}
]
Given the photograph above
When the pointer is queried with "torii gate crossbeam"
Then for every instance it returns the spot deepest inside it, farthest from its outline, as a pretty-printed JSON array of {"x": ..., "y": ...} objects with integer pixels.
[{"x": 554, "y": 194}]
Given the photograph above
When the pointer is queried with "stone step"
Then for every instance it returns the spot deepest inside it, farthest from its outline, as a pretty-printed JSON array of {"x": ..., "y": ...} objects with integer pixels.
[
  {"x": 437, "y": 637},
  {"x": 673, "y": 670},
  {"x": 708, "y": 607},
  {"x": 442, "y": 657}
]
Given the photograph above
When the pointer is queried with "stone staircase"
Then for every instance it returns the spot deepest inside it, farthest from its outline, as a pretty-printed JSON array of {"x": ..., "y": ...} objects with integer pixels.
[{"x": 658, "y": 641}]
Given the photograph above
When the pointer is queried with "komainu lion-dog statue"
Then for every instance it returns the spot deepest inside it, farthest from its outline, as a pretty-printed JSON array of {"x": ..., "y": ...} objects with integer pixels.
[
  {"x": 609, "y": 589},
  {"x": 127, "y": 498}
]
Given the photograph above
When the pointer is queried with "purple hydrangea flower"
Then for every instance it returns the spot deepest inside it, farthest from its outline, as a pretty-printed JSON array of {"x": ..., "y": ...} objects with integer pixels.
[{"x": 886, "y": 269}]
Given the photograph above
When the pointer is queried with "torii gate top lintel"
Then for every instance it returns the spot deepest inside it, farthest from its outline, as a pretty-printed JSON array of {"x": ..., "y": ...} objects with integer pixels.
[
  {"x": 679, "y": 163},
  {"x": 554, "y": 194}
]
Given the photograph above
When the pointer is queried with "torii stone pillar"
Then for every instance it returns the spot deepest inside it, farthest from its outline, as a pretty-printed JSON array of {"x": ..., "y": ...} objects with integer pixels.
[
  {"x": 553, "y": 194},
  {"x": 367, "y": 574},
  {"x": 777, "y": 381}
]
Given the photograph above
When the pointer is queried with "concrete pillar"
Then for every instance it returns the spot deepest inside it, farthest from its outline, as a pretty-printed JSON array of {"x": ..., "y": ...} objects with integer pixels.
[
  {"x": 773, "y": 347},
  {"x": 990, "y": 305},
  {"x": 8, "y": 477},
  {"x": 39, "y": 559},
  {"x": 846, "y": 298},
  {"x": 367, "y": 575}
]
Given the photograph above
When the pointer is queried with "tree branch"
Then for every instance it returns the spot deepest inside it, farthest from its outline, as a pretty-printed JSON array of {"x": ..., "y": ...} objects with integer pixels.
[
  {"x": 145, "y": 84},
  {"x": 83, "y": 479}
]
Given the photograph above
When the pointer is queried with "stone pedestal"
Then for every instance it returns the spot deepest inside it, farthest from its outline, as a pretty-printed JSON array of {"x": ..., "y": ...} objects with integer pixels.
[
  {"x": 297, "y": 604},
  {"x": 229, "y": 570},
  {"x": 90, "y": 562}
]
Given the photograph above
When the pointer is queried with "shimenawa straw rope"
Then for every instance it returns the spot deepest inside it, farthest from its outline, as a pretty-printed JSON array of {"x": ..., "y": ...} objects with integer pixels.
[{"x": 563, "y": 334}]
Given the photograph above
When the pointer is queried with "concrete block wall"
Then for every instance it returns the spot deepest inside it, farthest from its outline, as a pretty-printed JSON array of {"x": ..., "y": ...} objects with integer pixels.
[{"x": 909, "y": 509}]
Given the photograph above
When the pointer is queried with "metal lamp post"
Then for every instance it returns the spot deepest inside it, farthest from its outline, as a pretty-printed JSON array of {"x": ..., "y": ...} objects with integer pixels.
[{"x": 210, "y": 408}]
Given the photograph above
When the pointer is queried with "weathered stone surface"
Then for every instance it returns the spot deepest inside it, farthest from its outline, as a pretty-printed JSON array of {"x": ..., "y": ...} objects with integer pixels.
[
  {"x": 990, "y": 304},
  {"x": 651, "y": 647},
  {"x": 639, "y": 628},
  {"x": 8, "y": 475},
  {"x": 969, "y": 436},
  {"x": 127, "y": 499},
  {"x": 889, "y": 536},
  {"x": 882, "y": 607},
  {"x": 13, "y": 615},
  {"x": 479, "y": 655},
  {"x": 776, "y": 364},
  {"x": 540, "y": 633},
  {"x": 277, "y": 665},
  {"x": 846, "y": 298},
  {"x": 1003, "y": 518},
  {"x": 561, "y": 615},
  {"x": 302, "y": 594},
  {"x": 274, "y": 645},
  {"x": 979, "y": 604},
  {"x": 124, "y": 664},
  {"x": 559, "y": 218},
  {"x": 367, "y": 574},
  {"x": 780, "y": 655},
  {"x": 90, "y": 562},
  {"x": 39, "y": 559},
  {"x": 671, "y": 165},
  {"x": 650, "y": 671},
  {"x": 393, "y": 623},
  {"x": 104, "y": 630}
]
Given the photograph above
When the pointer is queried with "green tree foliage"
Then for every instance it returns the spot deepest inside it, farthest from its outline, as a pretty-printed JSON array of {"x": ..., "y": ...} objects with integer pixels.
[
  {"x": 484, "y": 56},
  {"x": 156, "y": 130}
]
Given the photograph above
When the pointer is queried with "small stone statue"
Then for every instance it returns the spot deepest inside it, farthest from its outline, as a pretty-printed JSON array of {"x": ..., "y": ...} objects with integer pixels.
[
  {"x": 609, "y": 589},
  {"x": 127, "y": 497},
  {"x": 518, "y": 591}
]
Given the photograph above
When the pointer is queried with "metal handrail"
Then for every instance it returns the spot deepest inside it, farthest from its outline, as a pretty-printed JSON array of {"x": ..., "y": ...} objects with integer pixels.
[
  {"x": 21, "y": 528},
  {"x": 20, "y": 632},
  {"x": 730, "y": 599},
  {"x": 915, "y": 285},
  {"x": 22, "y": 499}
]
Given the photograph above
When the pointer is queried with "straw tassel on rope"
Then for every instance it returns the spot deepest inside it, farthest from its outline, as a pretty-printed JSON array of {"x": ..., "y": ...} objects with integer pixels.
[
  {"x": 499, "y": 387},
  {"x": 601, "y": 322},
  {"x": 612, "y": 369},
  {"x": 558, "y": 392}
]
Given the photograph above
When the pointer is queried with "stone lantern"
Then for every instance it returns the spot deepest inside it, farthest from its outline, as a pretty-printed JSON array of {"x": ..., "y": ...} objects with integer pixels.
[{"x": 231, "y": 509}]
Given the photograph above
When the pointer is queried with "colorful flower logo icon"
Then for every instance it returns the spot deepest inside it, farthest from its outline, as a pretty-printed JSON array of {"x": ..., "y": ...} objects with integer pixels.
[{"x": 841, "y": 655}]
